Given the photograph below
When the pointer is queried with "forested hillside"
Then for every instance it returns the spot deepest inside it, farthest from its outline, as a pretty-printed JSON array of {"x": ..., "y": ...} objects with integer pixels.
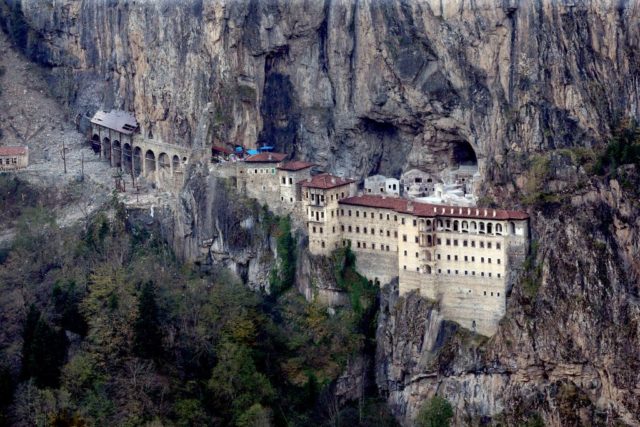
[{"x": 102, "y": 325}]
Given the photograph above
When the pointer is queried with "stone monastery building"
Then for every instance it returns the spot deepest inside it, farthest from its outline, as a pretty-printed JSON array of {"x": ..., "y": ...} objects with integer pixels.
[{"x": 466, "y": 258}]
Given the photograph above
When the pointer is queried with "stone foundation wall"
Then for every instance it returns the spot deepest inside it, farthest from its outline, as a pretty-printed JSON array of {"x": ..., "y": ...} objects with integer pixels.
[{"x": 376, "y": 264}]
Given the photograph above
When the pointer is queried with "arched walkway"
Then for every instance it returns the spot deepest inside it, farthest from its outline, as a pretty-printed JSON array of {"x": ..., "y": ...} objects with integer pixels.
[
  {"x": 149, "y": 162},
  {"x": 164, "y": 162},
  {"x": 126, "y": 158},
  {"x": 106, "y": 148},
  {"x": 95, "y": 143},
  {"x": 137, "y": 161},
  {"x": 117, "y": 154},
  {"x": 176, "y": 163}
]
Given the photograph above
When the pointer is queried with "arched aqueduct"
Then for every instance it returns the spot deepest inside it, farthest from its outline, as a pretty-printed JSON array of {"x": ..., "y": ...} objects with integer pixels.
[{"x": 114, "y": 138}]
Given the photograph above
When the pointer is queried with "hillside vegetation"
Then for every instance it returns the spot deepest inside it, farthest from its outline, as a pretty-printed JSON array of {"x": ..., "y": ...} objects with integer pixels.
[{"x": 103, "y": 326}]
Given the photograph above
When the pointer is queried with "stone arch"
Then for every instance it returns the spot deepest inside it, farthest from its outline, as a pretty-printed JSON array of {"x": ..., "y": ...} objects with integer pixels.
[
  {"x": 95, "y": 143},
  {"x": 489, "y": 228},
  {"x": 427, "y": 255},
  {"x": 512, "y": 226},
  {"x": 126, "y": 158},
  {"x": 176, "y": 163},
  {"x": 465, "y": 226},
  {"x": 481, "y": 224},
  {"x": 474, "y": 226},
  {"x": 116, "y": 150},
  {"x": 456, "y": 225},
  {"x": 149, "y": 161},
  {"x": 106, "y": 148},
  {"x": 137, "y": 161},
  {"x": 427, "y": 269},
  {"x": 164, "y": 162},
  {"x": 498, "y": 228}
]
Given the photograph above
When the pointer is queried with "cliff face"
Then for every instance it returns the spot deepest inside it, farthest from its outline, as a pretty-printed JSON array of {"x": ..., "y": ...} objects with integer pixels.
[
  {"x": 358, "y": 86},
  {"x": 382, "y": 86}
]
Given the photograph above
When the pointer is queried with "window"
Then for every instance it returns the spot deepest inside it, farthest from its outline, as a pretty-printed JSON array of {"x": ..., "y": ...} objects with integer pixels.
[
  {"x": 387, "y": 217},
  {"x": 404, "y": 237},
  {"x": 448, "y": 271},
  {"x": 455, "y": 257},
  {"x": 341, "y": 212},
  {"x": 455, "y": 242},
  {"x": 333, "y": 229},
  {"x": 314, "y": 229},
  {"x": 485, "y": 293},
  {"x": 448, "y": 242},
  {"x": 373, "y": 246},
  {"x": 416, "y": 254},
  {"x": 284, "y": 180},
  {"x": 364, "y": 214},
  {"x": 498, "y": 260},
  {"x": 464, "y": 243},
  {"x": 381, "y": 232},
  {"x": 473, "y": 243},
  {"x": 473, "y": 259},
  {"x": 364, "y": 245},
  {"x": 350, "y": 229},
  {"x": 321, "y": 230},
  {"x": 456, "y": 272},
  {"x": 439, "y": 271},
  {"x": 380, "y": 216},
  {"x": 387, "y": 248},
  {"x": 439, "y": 241},
  {"x": 482, "y": 274},
  {"x": 342, "y": 228},
  {"x": 466, "y": 258},
  {"x": 466, "y": 273},
  {"x": 418, "y": 269},
  {"x": 498, "y": 275},
  {"x": 481, "y": 259},
  {"x": 488, "y": 245},
  {"x": 438, "y": 256},
  {"x": 489, "y": 274},
  {"x": 498, "y": 294},
  {"x": 489, "y": 260},
  {"x": 482, "y": 244},
  {"x": 357, "y": 229},
  {"x": 358, "y": 244},
  {"x": 349, "y": 212},
  {"x": 290, "y": 181},
  {"x": 402, "y": 221},
  {"x": 448, "y": 257},
  {"x": 395, "y": 234},
  {"x": 473, "y": 273},
  {"x": 405, "y": 253},
  {"x": 416, "y": 239},
  {"x": 415, "y": 223},
  {"x": 497, "y": 245},
  {"x": 395, "y": 218},
  {"x": 322, "y": 243},
  {"x": 364, "y": 230},
  {"x": 388, "y": 233},
  {"x": 405, "y": 267},
  {"x": 357, "y": 214}
]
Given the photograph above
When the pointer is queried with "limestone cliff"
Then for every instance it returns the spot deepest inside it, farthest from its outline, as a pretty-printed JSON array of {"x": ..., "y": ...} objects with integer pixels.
[{"x": 380, "y": 86}]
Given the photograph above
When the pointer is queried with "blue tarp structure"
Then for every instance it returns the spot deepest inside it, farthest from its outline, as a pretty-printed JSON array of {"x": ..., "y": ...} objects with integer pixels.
[
  {"x": 252, "y": 152},
  {"x": 239, "y": 149},
  {"x": 266, "y": 148}
]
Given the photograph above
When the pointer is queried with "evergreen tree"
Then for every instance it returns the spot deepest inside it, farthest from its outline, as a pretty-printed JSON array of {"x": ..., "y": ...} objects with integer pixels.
[
  {"x": 43, "y": 350},
  {"x": 147, "y": 335}
]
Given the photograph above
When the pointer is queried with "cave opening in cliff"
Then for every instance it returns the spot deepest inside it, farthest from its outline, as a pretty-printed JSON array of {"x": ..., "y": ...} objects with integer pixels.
[{"x": 463, "y": 154}]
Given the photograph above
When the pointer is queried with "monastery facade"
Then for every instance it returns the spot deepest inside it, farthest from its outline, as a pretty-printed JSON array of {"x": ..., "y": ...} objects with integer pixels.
[{"x": 466, "y": 258}]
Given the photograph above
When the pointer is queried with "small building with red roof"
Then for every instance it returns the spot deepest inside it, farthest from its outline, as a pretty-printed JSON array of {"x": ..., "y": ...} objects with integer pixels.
[{"x": 14, "y": 158}]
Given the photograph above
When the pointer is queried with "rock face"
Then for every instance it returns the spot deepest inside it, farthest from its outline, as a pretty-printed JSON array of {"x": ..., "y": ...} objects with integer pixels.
[
  {"x": 357, "y": 86},
  {"x": 383, "y": 86}
]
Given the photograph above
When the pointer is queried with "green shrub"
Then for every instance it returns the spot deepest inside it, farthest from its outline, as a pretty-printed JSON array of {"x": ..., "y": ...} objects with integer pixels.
[{"x": 435, "y": 412}]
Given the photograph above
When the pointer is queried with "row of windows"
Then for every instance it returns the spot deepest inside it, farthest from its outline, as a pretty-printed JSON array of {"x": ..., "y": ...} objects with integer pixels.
[
  {"x": 10, "y": 161},
  {"x": 366, "y": 230},
  {"x": 467, "y": 243},
  {"x": 371, "y": 215},
  {"x": 466, "y": 258},
  {"x": 320, "y": 198},
  {"x": 268, "y": 170},
  {"x": 284, "y": 180},
  {"x": 373, "y": 246},
  {"x": 456, "y": 272}
]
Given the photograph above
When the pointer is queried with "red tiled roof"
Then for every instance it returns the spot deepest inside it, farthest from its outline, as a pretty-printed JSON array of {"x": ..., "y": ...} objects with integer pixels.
[
  {"x": 295, "y": 165},
  {"x": 325, "y": 181},
  {"x": 221, "y": 149},
  {"x": 429, "y": 210},
  {"x": 266, "y": 158},
  {"x": 13, "y": 151}
]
